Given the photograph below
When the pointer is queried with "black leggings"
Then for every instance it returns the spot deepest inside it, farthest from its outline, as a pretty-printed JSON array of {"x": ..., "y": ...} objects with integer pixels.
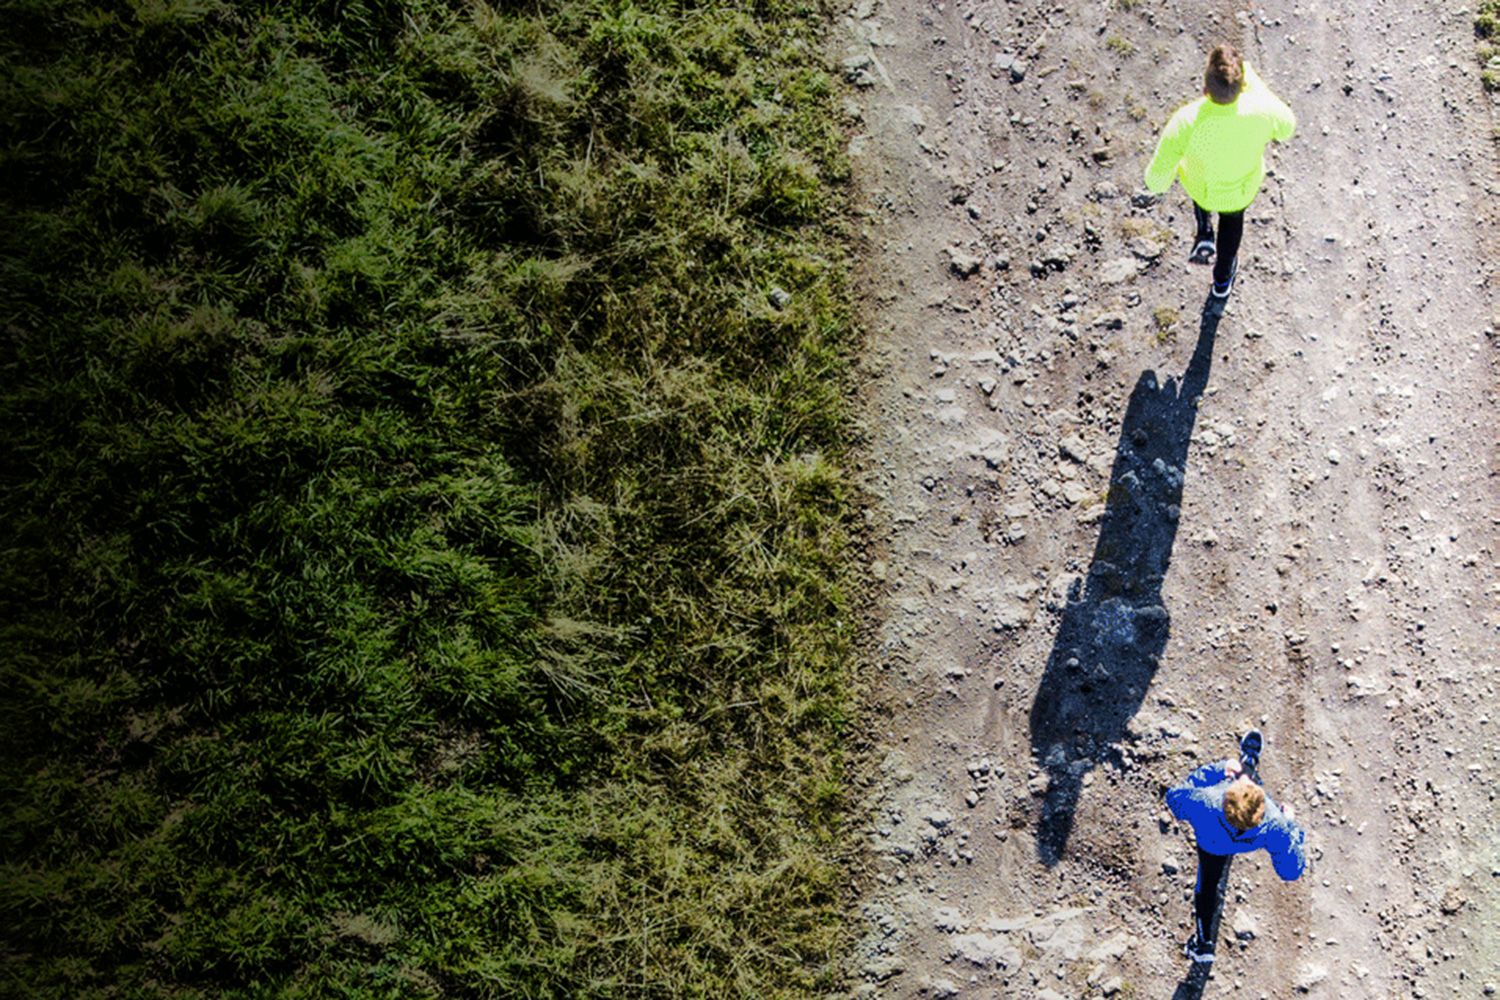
[
  {"x": 1231, "y": 228},
  {"x": 1208, "y": 896}
]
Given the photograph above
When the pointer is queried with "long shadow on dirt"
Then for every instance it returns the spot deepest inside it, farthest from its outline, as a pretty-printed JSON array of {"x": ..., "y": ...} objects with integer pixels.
[{"x": 1114, "y": 627}]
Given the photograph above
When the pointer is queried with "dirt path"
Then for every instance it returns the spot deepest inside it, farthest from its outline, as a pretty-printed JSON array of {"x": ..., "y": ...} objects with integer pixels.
[{"x": 1114, "y": 532}]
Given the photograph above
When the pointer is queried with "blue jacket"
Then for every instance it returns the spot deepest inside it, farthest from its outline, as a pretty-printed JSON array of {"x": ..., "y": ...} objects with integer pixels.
[{"x": 1199, "y": 801}]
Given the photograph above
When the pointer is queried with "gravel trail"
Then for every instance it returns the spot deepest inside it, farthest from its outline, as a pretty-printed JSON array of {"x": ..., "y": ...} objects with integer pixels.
[{"x": 1113, "y": 530}]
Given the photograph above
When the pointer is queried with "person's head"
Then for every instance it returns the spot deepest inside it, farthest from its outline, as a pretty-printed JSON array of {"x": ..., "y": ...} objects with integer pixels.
[
  {"x": 1244, "y": 803},
  {"x": 1224, "y": 76}
]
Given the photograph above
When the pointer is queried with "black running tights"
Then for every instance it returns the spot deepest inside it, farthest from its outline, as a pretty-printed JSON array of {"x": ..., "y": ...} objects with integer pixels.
[
  {"x": 1208, "y": 896},
  {"x": 1231, "y": 228}
]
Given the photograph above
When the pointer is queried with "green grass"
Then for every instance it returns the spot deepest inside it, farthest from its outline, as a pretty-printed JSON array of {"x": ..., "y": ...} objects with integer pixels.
[
  {"x": 1165, "y": 320},
  {"x": 424, "y": 544},
  {"x": 1487, "y": 31}
]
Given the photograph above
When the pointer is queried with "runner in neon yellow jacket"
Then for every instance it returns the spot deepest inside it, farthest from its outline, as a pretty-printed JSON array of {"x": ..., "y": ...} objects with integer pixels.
[{"x": 1216, "y": 147}]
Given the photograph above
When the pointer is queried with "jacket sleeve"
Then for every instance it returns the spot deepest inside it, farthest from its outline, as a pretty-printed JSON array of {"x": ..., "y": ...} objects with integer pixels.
[
  {"x": 1286, "y": 842},
  {"x": 1181, "y": 800},
  {"x": 1283, "y": 122},
  {"x": 1169, "y": 149}
]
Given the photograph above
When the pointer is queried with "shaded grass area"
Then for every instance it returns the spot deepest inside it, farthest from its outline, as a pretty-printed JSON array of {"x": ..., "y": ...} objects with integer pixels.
[{"x": 424, "y": 537}]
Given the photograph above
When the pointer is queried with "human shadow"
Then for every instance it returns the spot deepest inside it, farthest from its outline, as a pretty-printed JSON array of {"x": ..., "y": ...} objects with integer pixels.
[{"x": 1114, "y": 626}]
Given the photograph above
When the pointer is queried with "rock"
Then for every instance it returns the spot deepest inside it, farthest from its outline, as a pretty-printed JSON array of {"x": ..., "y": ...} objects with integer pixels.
[
  {"x": 1106, "y": 191},
  {"x": 1010, "y": 613},
  {"x": 1111, "y": 986},
  {"x": 881, "y": 969},
  {"x": 992, "y": 447},
  {"x": 1010, "y": 65},
  {"x": 1064, "y": 941},
  {"x": 1075, "y": 493},
  {"x": 963, "y": 264},
  {"x": 1072, "y": 447},
  {"x": 948, "y": 920},
  {"x": 989, "y": 951},
  {"x": 938, "y": 819},
  {"x": 1453, "y": 900},
  {"x": 1309, "y": 976},
  {"x": 972, "y": 798},
  {"x": 943, "y": 988},
  {"x": 1121, "y": 269},
  {"x": 1112, "y": 949},
  {"x": 779, "y": 298},
  {"x": 857, "y": 70},
  {"x": 1245, "y": 926}
]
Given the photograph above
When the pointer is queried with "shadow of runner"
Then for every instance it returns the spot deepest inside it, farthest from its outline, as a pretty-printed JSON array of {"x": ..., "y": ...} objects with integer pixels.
[{"x": 1114, "y": 627}]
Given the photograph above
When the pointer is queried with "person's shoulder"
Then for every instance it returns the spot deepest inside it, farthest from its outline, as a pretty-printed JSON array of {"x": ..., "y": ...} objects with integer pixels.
[{"x": 1190, "y": 110}]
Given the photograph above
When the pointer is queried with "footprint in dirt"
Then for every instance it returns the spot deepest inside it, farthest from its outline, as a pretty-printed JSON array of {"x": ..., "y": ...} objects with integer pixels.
[{"x": 1115, "y": 627}]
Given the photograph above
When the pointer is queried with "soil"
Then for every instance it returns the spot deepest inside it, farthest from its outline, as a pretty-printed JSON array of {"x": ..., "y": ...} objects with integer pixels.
[{"x": 1112, "y": 530}]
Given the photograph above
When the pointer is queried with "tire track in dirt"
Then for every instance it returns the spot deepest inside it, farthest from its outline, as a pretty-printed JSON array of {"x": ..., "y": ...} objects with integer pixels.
[{"x": 1315, "y": 551}]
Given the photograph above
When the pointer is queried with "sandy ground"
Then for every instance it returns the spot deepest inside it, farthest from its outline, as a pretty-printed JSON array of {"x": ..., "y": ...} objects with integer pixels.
[{"x": 1113, "y": 531}]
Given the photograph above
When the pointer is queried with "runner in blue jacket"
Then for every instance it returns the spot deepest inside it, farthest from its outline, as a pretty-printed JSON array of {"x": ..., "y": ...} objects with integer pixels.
[{"x": 1231, "y": 814}]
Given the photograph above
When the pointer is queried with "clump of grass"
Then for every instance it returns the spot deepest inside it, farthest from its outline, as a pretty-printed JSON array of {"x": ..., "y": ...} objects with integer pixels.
[
  {"x": 1120, "y": 46},
  {"x": 1165, "y": 320},
  {"x": 425, "y": 548},
  {"x": 1487, "y": 32}
]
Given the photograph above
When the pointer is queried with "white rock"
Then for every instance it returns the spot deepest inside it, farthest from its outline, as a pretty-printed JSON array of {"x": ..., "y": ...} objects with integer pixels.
[
  {"x": 1309, "y": 976},
  {"x": 943, "y": 988},
  {"x": 938, "y": 818},
  {"x": 988, "y": 951},
  {"x": 1121, "y": 269}
]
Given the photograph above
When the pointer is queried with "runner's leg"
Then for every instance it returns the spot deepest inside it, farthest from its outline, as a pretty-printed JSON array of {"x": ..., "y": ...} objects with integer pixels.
[
  {"x": 1231, "y": 228},
  {"x": 1205, "y": 221},
  {"x": 1208, "y": 897}
]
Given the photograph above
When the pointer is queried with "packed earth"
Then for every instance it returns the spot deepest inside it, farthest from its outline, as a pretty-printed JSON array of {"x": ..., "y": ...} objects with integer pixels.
[{"x": 1112, "y": 528}]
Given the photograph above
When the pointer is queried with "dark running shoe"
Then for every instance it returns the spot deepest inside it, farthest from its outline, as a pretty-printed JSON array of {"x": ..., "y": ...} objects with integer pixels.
[
  {"x": 1222, "y": 291},
  {"x": 1195, "y": 950},
  {"x": 1203, "y": 252},
  {"x": 1250, "y": 747}
]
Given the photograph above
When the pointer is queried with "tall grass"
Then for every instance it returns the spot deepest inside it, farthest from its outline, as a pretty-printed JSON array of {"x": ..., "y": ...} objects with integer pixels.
[{"x": 423, "y": 537}]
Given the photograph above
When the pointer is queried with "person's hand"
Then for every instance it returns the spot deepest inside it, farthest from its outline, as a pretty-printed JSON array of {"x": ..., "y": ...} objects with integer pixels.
[{"x": 1232, "y": 769}]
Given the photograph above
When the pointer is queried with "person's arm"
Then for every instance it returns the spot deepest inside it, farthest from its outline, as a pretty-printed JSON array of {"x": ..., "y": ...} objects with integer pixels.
[
  {"x": 1286, "y": 842},
  {"x": 1283, "y": 122},
  {"x": 1181, "y": 799},
  {"x": 1169, "y": 149}
]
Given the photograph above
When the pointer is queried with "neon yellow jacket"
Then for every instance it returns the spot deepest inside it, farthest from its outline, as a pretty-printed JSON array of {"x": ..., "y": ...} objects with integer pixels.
[{"x": 1218, "y": 150}]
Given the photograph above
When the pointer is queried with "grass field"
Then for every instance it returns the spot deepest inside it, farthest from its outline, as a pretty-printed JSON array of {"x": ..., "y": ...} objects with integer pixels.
[{"x": 424, "y": 524}]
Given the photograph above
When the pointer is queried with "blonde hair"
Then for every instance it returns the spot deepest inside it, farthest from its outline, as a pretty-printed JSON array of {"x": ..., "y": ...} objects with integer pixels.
[
  {"x": 1244, "y": 804},
  {"x": 1224, "y": 76}
]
